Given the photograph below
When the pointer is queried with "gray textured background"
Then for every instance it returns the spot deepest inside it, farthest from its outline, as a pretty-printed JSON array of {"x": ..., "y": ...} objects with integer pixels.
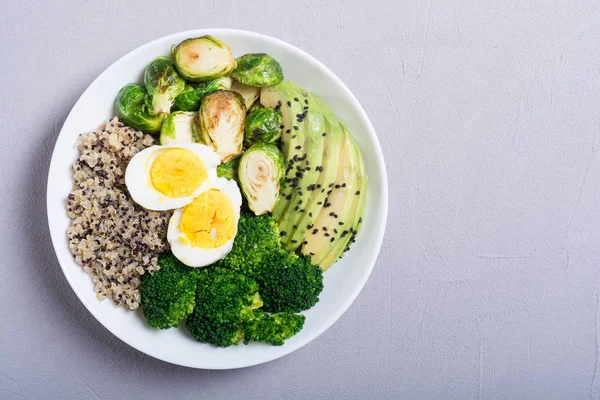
[{"x": 487, "y": 284}]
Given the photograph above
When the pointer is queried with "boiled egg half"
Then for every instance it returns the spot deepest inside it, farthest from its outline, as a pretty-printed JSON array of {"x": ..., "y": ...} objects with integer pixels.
[
  {"x": 171, "y": 176},
  {"x": 203, "y": 231}
]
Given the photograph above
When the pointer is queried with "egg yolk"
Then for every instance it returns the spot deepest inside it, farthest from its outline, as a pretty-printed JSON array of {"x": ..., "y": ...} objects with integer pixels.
[
  {"x": 208, "y": 221},
  {"x": 177, "y": 172}
]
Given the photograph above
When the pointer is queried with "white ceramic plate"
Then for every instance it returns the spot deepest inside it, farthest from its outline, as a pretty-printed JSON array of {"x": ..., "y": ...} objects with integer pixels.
[{"x": 342, "y": 282}]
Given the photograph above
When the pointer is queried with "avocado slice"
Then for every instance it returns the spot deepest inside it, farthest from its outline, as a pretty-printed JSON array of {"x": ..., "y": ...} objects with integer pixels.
[
  {"x": 331, "y": 144},
  {"x": 340, "y": 212},
  {"x": 307, "y": 169},
  {"x": 289, "y": 99},
  {"x": 342, "y": 244}
]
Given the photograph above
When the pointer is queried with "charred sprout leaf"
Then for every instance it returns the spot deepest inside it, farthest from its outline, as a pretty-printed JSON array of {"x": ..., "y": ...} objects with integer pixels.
[
  {"x": 163, "y": 84},
  {"x": 229, "y": 170},
  {"x": 179, "y": 127},
  {"x": 249, "y": 93},
  {"x": 189, "y": 100},
  {"x": 262, "y": 125},
  {"x": 202, "y": 59},
  {"x": 131, "y": 106},
  {"x": 258, "y": 69},
  {"x": 260, "y": 172},
  {"x": 221, "y": 123}
]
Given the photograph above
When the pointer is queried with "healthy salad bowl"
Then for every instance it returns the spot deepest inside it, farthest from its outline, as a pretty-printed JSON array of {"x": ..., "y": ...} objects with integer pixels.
[{"x": 217, "y": 198}]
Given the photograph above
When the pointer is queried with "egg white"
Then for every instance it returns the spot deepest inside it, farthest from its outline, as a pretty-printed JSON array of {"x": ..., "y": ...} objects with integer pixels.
[
  {"x": 198, "y": 256},
  {"x": 139, "y": 184}
]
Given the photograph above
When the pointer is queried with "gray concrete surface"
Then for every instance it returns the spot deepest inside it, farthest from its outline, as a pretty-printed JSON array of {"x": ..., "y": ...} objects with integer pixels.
[{"x": 487, "y": 286}]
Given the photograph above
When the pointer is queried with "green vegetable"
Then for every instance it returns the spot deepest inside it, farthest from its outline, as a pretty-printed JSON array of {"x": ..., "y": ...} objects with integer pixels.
[
  {"x": 190, "y": 98},
  {"x": 262, "y": 125},
  {"x": 221, "y": 123},
  {"x": 227, "y": 311},
  {"x": 249, "y": 93},
  {"x": 163, "y": 84},
  {"x": 289, "y": 283},
  {"x": 257, "y": 237},
  {"x": 168, "y": 294},
  {"x": 202, "y": 59},
  {"x": 260, "y": 172},
  {"x": 258, "y": 69},
  {"x": 179, "y": 127},
  {"x": 273, "y": 329},
  {"x": 229, "y": 170},
  {"x": 132, "y": 105}
]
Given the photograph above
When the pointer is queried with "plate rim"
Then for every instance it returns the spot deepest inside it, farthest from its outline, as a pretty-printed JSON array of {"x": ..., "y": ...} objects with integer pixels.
[{"x": 372, "y": 258}]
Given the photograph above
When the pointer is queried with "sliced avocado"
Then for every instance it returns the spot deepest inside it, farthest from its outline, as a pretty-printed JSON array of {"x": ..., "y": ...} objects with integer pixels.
[
  {"x": 286, "y": 97},
  {"x": 339, "y": 211},
  {"x": 307, "y": 169},
  {"x": 342, "y": 244},
  {"x": 332, "y": 141}
]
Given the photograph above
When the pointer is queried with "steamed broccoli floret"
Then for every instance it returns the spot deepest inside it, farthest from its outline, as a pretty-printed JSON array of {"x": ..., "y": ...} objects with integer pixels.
[
  {"x": 273, "y": 328},
  {"x": 168, "y": 294},
  {"x": 289, "y": 283},
  {"x": 224, "y": 303},
  {"x": 257, "y": 237}
]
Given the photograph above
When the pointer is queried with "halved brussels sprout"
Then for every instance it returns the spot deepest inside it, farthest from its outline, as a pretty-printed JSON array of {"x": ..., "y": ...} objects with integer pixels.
[
  {"x": 202, "y": 59},
  {"x": 163, "y": 84},
  {"x": 260, "y": 172},
  {"x": 249, "y": 93},
  {"x": 229, "y": 170},
  {"x": 221, "y": 122},
  {"x": 262, "y": 125},
  {"x": 189, "y": 99},
  {"x": 132, "y": 104},
  {"x": 179, "y": 127},
  {"x": 258, "y": 69}
]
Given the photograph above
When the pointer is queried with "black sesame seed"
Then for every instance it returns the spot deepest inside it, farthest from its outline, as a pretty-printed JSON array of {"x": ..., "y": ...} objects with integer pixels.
[
  {"x": 294, "y": 241},
  {"x": 294, "y": 136},
  {"x": 281, "y": 126},
  {"x": 289, "y": 103},
  {"x": 305, "y": 101},
  {"x": 331, "y": 185},
  {"x": 288, "y": 131},
  {"x": 334, "y": 230},
  {"x": 360, "y": 220},
  {"x": 324, "y": 133},
  {"x": 305, "y": 107},
  {"x": 310, "y": 214},
  {"x": 296, "y": 127},
  {"x": 282, "y": 233},
  {"x": 295, "y": 227},
  {"x": 325, "y": 228},
  {"x": 320, "y": 203},
  {"x": 326, "y": 204},
  {"x": 340, "y": 223},
  {"x": 296, "y": 99},
  {"x": 332, "y": 239},
  {"x": 331, "y": 214},
  {"x": 299, "y": 147},
  {"x": 358, "y": 192},
  {"x": 296, "y": 208},
  {"x": 305, "y": 242},
  {"x": 337, "y": 186},
  {"x": 327, "y": 234}
]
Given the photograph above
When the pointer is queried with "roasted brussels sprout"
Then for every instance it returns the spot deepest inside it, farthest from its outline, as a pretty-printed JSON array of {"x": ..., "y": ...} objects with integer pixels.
[
  {"x": 221, "y": 122},
  {"x": 179, "y": 127},
  {"x": 258, "y": 69},
  {"x": 132, "y": 104},
  {"x": 262, "y": 125},
  {"x": 189, "y": 99},
  {"x": 229, "y": 170},
  {"x": 249, "y": 93},
  {"x": 163, "y": 84},
  {"x": 260, "y": 172},
  {"x": 202, "y": 59}
]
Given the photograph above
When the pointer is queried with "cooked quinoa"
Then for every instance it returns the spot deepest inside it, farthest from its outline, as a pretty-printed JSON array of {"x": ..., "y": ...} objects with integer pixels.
[{"x": 115, "y": 240}]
